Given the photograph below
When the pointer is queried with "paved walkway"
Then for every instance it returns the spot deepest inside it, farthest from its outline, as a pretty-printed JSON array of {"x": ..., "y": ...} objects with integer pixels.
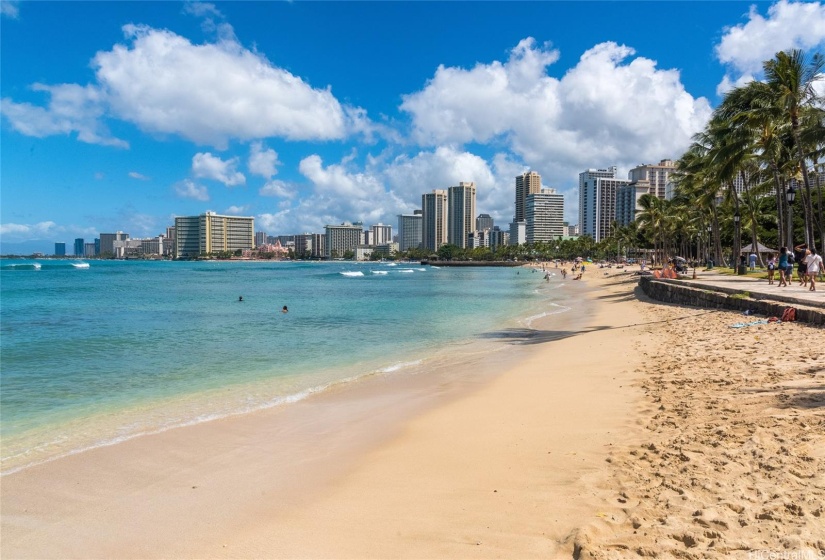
[{"x": 758, "y": 288}]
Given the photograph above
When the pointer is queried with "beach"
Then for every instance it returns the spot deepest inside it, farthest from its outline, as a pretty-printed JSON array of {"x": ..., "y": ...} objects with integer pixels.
[{"x": 636, "y": 429}]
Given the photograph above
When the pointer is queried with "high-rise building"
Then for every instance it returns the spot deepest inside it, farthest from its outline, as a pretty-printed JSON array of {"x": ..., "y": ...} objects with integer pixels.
[
  {"x": 89, "y": 249},
  {"x": 461, "y": 211},
  {"x": 170, "y": 233},
  {"x": 409, "y": 231},
  {"x": 107, "y": 241},
  {"x": 434, "y": 220},
  {"x": 484, "y": 221},
  {"x": 544, "y": 216},
  {"x": 526, "y": 183},
  {"x": 381, "y": 234},
  {"x": 518, "y": 233},
  {"x": 79, "y": 247},
  {"x": 303, "y": 245},
  {"x": 319, "y": 244},
  {"x": 597, "y": 201},
  {"x": 60, "y": 249},
  {"x": 260, "y": 238},
  {"x": 655, "y": 175},
  {"x": 212, "y": 233},
  {"x": 342, "y": 238}
]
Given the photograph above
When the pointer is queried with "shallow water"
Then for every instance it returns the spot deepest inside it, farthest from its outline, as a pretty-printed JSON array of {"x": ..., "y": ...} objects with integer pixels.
[{"x": 99, "y": 352}]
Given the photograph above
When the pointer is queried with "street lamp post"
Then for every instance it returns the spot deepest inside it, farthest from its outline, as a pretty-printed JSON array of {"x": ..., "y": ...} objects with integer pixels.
[
  {"x": 736, "y": 241},
  {"x": 710, "y": 242},
  {"x": 790, "y": 195}
]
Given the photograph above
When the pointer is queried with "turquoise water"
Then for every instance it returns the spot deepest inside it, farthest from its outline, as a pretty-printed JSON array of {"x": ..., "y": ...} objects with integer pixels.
[{"x": 95, "y": 353}]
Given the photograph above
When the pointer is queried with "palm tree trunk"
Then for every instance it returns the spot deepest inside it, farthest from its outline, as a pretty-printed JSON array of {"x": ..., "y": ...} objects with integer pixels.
[{"x": 809, "y": 229}]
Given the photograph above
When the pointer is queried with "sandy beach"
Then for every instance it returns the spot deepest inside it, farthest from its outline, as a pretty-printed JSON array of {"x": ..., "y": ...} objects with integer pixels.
[{"x": 646, "y": 429}]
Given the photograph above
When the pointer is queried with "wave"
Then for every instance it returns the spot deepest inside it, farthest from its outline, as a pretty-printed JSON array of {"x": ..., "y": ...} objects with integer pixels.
[
  {"x": 47, "y": 266},
  {"x": 22, "y": 266},
  {"x": 379, "y": 272},
  {"x": 406, "y": 270},
  {"x": 351, "y": 273},
  {"x": 528, "y": 321},
  {"x": 400, "y": 365}
]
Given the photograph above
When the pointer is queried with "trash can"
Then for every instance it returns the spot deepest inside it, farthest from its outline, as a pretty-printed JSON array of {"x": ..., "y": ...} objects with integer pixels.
[
  {"x": 710, "y": 264},
  {"x": 743, "y": 266}
]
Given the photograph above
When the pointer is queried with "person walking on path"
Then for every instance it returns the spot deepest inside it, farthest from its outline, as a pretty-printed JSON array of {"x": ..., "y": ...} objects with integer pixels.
[
  {"x": 783, "y": 265},
  {"x": 800, "y": 252},
  {"x": 814, "y": 264},
  {"x": 771, "y": 268},
  {"x": 752, "y": 261}
]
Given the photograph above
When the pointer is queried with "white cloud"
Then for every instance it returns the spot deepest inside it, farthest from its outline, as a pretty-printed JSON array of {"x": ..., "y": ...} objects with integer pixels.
[
  {"x": 189, "y": 189},
  {"x": 236, "y": 209},
  {"x": 13, "y": 233},
  {"x": 71, "y": 108},
  {"x": 10, "y": 8},
  {"x": 788, "y": 25},
  {"x": 262, "y": 161},
  {"x": 207, "y": 166},
  {"x": 277, "y": 188},
  {"x": 138, "y": 176},
  {"x": 605, "y": 109},
  {"x": 201, "y": 9},
  {"x": 210, "y": 93}
]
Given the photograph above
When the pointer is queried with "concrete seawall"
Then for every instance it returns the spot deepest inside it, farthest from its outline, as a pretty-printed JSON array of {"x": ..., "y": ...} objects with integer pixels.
[{"x": 674, "y": 291}]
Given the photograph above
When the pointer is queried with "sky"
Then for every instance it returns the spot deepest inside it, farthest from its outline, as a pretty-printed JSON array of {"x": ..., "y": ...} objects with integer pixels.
[{"x": 119, "y": 116}]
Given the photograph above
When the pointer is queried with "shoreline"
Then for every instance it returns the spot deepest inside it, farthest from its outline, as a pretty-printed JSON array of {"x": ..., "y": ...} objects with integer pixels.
[{"x": 259, "y": 484}]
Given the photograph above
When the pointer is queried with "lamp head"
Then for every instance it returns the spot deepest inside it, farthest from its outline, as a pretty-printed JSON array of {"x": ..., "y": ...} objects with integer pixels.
[
  {"x": 791, "y": 194},
  {"x": 736, "y": 218}
]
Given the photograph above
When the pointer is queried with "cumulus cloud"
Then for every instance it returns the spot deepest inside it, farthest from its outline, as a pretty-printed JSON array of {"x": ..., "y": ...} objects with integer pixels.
[
  {"x": 14, "y": 233},
  {"x": 788, "y": 25},
  {"x": 212, "y": 92},
  {"x": 612, "y": 106},
  {"x": 277, "y": 188},
  {"x": 138, "y": 176},
  {"x": 262, "y": 161},
  {"x": 201, "y": 9},
  {"x": 71, "y": 109},
  {"x": 236, "y": 209},
  {"x": 207, "y": 166},
  {"x": 189, "y": 189},
  {"x": 208, "y": 93}
]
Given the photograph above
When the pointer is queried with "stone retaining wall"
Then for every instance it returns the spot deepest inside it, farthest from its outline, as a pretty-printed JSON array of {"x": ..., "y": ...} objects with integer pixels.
[{"x": 672, "y": 291}]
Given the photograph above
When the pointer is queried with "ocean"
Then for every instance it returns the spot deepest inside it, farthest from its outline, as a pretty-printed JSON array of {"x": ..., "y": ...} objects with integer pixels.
[{"x": 97, "y": 352}]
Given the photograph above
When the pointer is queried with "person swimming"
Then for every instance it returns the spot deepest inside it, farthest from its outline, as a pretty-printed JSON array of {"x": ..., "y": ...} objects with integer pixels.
[
  {"x": 284, "y": 310},
  {"x": 240, "y": 298}
]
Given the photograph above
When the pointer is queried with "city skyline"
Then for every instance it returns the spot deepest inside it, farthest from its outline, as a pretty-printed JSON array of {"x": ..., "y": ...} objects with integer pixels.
[{"x": 299, "y": 138}]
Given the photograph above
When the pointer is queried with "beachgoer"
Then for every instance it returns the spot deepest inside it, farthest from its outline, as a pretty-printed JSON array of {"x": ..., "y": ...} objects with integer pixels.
[
  {"x": 240, "y": 299},
  {"x": 783, "y": 266},
  {"x": 800, "y": 252},
  {"x": 789, "y": 266},
  {"x": 814, "y": 264},
  {"x": 771, "y": 268},
  {"x": 284, "y": 310},
  {"x": 752, "y": 261}
]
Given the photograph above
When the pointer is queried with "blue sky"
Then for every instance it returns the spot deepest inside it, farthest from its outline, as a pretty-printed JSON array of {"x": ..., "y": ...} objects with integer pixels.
[{"x": 122, "y": 115}]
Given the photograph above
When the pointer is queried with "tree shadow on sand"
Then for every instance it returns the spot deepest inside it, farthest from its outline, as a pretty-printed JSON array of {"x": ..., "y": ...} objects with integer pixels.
[{"x": 534, "y": 336}]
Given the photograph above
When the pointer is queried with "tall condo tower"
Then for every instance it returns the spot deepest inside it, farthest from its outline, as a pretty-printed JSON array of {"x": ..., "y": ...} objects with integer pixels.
[
  {"x": 461, "y": 211},
  {"x": 213, "y": 233},
  {"x": 343, "y": 238},
  {"x": 597, "y": 201},
  {"x": 545, "y": 215},
  {"x": 526, "y": 183},
  {"x": 409, "y": 231},
  {"x": 434, "y": 219}
]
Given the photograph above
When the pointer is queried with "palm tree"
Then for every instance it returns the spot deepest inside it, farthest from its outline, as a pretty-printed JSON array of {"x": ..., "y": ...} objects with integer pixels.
[{"x": 790, "y": 76}]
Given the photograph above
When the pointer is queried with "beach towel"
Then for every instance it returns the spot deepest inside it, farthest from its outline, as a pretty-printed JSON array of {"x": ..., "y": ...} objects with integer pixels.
[{"x": 740, "y": 325}]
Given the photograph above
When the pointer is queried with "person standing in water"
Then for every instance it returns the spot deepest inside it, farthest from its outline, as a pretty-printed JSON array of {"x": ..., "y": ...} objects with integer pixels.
[{"x": 284, "y": 310}]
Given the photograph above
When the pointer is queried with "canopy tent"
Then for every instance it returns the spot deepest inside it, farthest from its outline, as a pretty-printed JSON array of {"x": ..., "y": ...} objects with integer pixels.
[{"x": 762, "y": 249}]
